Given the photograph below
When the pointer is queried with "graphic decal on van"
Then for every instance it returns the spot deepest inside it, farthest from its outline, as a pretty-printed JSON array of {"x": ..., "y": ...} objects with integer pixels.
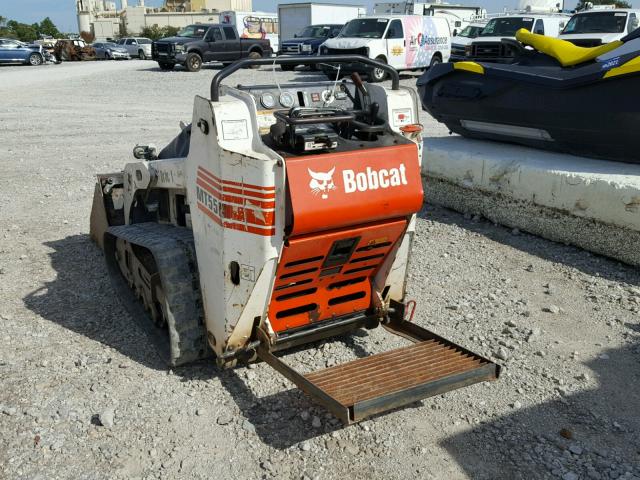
[{"x": 423, "y": 40}]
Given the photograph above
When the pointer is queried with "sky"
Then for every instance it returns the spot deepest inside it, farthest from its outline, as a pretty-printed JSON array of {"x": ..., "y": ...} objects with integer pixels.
[{"x": 63, "y": 13}]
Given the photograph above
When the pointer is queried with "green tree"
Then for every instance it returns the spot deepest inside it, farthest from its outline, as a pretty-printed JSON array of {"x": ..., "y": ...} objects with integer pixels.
[
  {"x": 22, "y": 31},
  {"x": 154, "y": 32},
  {"x": 170, "y": 31},
  {"x": 47, "y": 27}
]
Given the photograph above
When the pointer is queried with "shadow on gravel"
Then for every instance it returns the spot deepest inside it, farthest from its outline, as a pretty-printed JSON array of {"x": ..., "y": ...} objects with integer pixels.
[
  {"x": 528, "y": 444},
  {"x": 81, "y": 299},
  {"x": 590, "y": 263},
  {"x": 275, "y": 418}
]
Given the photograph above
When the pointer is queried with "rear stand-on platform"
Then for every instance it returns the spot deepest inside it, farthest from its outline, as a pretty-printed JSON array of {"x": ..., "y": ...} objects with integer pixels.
[{"x": 366, "y": 386}]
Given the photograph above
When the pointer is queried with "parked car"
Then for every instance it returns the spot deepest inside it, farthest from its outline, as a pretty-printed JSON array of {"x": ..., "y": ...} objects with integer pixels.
[
  {"x": 137, "y": 46},
  {"x": 405, "y": 42},
  {"x": 110, "y": 51},
  {"x": 464, "y": 38},
  {"x": 202, "y": 43},
  {"x": 15, "y": 51},
  {"x": 489, "y": 45},
  {"x": 308, "y": 41},
  {"x": 591, "y": 28}
]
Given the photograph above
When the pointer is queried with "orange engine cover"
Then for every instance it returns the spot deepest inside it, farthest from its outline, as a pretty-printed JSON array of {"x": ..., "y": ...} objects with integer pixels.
[
  {"x": 335, "y": 190},
  {"x": 324, "y": 275}
]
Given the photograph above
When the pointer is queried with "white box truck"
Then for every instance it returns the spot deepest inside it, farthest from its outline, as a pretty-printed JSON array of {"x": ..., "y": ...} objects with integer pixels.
[
  {"x": 458, "y": 16},
  {"x": 262, "y": 25},
  {"x": 294, "y": 17}
]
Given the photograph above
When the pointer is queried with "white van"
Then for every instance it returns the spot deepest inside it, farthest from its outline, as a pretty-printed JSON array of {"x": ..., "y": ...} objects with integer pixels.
[
  {"x": 406, "y": 42},
  {"x": 488, "y": 46},
  {"x": 591, "y": 28}
]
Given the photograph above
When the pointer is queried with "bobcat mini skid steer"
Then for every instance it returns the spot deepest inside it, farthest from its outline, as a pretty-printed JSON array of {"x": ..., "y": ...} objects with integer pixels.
[{"x": 284, "y": 214}]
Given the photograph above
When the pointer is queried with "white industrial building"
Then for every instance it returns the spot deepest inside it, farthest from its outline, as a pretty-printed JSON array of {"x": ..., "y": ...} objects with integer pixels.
[{"x": 105, "y": 20}]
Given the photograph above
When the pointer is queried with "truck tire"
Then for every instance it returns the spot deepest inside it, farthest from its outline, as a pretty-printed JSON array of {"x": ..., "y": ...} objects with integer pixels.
[
  {"x": 435, "y": 60},
  {"x": 254, "y": 56},
  {"x": 141, "y": 55},
  {"x": 377, "y": 74},
  {"x": 288, "y": 68},
  {"x": 166, "y": 65},
  {"x": 193, "y": 62}
]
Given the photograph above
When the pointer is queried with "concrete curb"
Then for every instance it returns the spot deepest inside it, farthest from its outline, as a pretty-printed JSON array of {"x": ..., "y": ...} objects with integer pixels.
[{"x": 592, "y": 204}]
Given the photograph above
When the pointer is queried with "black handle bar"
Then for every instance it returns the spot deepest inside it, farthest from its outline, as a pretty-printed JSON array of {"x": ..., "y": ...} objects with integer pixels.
[
  {"x": 290, "y": 120},
  {"x": 303, "y": 60}
]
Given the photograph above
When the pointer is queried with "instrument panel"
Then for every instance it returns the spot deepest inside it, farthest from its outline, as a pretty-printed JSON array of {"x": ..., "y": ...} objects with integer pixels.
[{"x": 320, "y": 94}]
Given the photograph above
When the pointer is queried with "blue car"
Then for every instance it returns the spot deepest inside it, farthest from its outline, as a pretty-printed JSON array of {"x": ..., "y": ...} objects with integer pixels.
[
  {"x": 307, "y": 41},
  {"x": 15, "y": 51}
]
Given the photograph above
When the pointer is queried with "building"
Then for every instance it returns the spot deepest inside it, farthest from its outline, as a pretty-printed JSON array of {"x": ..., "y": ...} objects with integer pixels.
[{"x": 105, "y": 21}]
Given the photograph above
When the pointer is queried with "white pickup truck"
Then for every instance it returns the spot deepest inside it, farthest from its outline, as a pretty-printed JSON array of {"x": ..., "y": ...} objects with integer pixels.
[
  {"x": 591, "y": 28},
  {"x": 489, "y": 47}
]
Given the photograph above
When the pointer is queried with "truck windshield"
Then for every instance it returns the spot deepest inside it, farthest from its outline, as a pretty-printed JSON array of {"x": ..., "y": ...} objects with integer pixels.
[
  {"x": 470, "y": 31},
  {"x": 193, "y": 31},
  {"x": 365, "y": 28},
  {"x": 314, "y": 31},
  {"x": 600, "y": 22},
  {"x": 506, "y": 26}
]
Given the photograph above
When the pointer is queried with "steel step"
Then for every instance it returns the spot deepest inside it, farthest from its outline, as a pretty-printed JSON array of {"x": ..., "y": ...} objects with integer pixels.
[{"x": 384, "y": 381}]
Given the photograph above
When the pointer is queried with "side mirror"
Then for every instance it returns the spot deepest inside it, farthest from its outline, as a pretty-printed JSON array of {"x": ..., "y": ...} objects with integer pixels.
[{"x": 634, "y": 24}]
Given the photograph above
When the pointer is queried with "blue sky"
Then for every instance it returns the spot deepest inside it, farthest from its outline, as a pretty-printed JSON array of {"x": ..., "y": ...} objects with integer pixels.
[{"x": 62, "y": 12}]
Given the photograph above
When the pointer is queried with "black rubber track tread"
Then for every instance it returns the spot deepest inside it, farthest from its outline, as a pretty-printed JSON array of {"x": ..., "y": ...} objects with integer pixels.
[{"x": 173, "y": 250}]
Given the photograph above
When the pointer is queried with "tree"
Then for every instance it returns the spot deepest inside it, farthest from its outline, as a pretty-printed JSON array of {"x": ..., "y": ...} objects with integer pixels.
[
  {"x": 47, "y": 27},
  {"x": 618, "y": 3},
  {"x": 154, "y": 32},
  {"x": 170, "y": 31},
  {"x": 22, "y": 31}
]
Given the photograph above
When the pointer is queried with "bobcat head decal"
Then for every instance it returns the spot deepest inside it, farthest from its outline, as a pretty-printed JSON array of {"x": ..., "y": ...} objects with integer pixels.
[{"x": 321, "y": 182}]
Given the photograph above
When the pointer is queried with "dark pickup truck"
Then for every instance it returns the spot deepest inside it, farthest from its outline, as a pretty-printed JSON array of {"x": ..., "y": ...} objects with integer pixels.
[{"x": 202, "y": 43}]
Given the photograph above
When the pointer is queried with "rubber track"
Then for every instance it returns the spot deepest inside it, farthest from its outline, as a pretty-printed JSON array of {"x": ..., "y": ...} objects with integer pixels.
[{"x": 173, "y": 250}]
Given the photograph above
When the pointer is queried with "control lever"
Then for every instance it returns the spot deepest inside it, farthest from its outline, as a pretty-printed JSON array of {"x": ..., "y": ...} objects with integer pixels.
[
  {"x": 357, "y": 81},
  {"x": 373, "y": 112}
]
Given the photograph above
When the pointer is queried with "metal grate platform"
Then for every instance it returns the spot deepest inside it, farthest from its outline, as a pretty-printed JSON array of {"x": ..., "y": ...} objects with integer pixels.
[{"x": 366, "y": 386}]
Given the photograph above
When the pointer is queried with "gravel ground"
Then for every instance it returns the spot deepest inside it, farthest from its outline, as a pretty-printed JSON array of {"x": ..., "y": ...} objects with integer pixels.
[{"x": 83, "y": 395}]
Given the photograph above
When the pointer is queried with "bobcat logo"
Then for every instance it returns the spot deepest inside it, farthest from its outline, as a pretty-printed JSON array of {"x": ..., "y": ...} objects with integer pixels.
[{"x": 321, "y": 182}]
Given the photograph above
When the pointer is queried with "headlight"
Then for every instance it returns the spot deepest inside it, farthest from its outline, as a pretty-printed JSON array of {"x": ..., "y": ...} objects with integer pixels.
[
  {"x": 179, "y": 48},
  {"x": 468, "y": 50},
  {"x": 306, "y": 48}
]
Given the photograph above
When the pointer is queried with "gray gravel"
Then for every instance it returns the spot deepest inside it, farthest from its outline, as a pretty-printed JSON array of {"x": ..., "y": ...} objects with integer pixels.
[{"x": 83, "y": 395}]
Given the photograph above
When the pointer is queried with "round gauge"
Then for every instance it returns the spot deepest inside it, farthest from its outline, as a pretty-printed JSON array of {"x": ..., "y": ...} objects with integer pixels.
[
  {"x": 268, "y": 100},
  {"x": 286, "y": 100}
]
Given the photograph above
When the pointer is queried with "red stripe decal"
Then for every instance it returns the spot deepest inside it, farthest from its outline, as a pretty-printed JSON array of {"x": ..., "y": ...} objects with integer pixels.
[
  {"x": 237, "y": 184},
  {"x": 266, "y": 232},
  {"x": 209, "y": 186}
]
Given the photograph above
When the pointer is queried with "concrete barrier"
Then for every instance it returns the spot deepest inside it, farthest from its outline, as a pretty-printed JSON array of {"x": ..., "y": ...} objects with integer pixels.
[{"x": 592, "y": 204}]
